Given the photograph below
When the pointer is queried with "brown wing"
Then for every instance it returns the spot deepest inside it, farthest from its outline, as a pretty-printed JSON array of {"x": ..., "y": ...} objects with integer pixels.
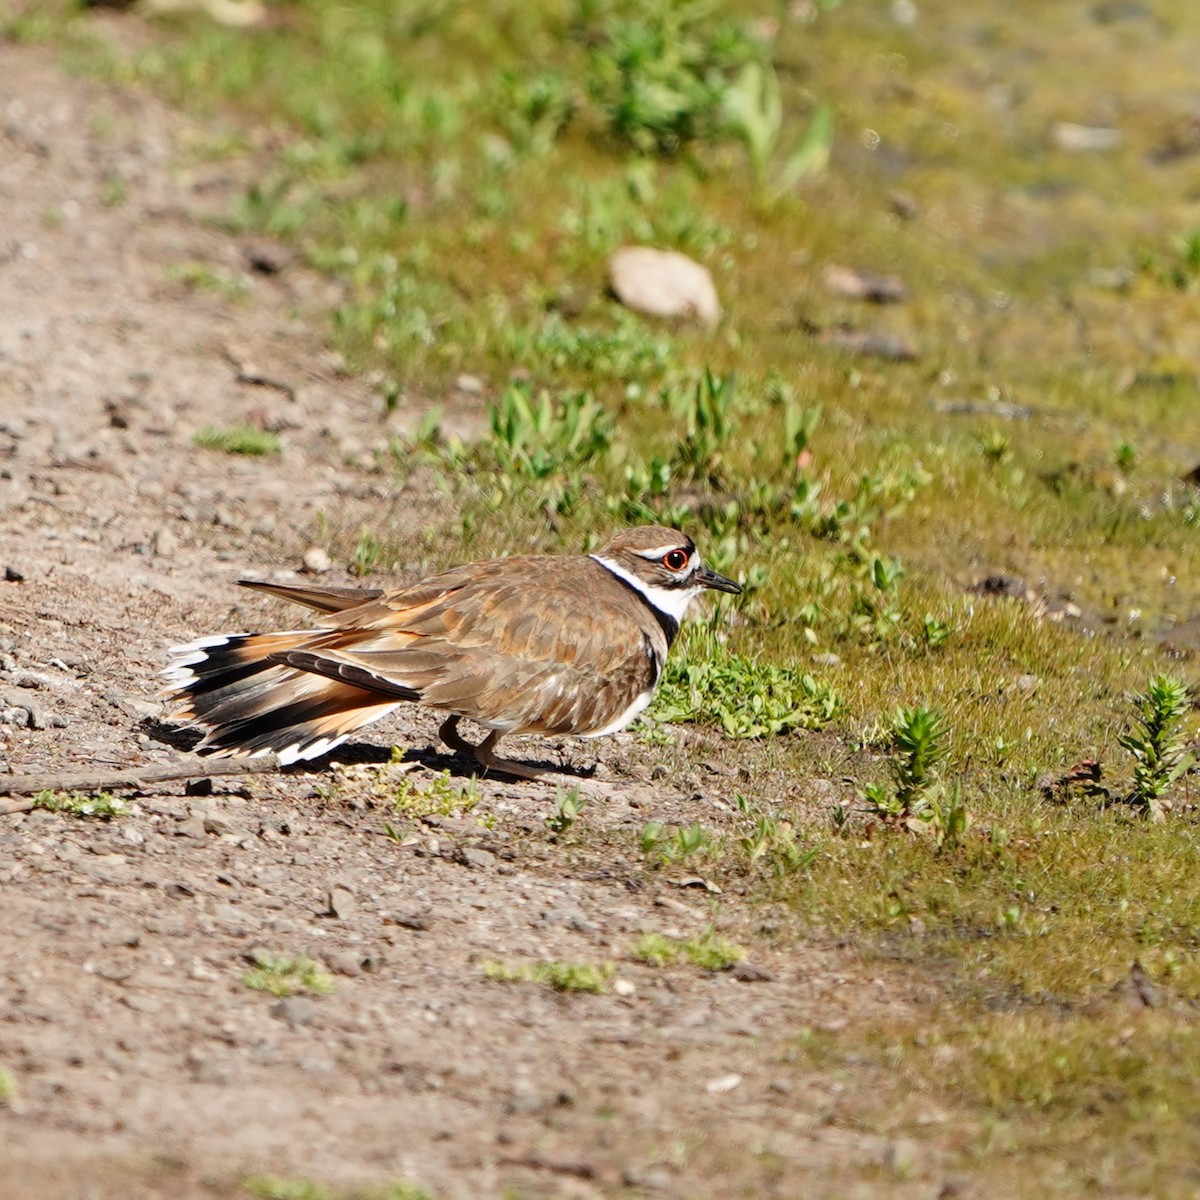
[
  {"x": 323, "y": 599},
  {"x": 515, "y": 646}
]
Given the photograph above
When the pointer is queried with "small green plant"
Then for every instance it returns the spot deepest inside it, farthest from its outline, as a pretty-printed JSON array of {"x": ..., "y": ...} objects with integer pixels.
[
  {"x": 561, "y": 976},
  {"x": 705, "y": 406},
  {"x": 673, "y": 844},
  {"x": 202, "y": 277},
  {"x": 771, "y": 840},
  {"x": 533, "y": 109},
  {"x": 365, "y": 557},
  {"x": 79, "y": 804},
  {"x": 704, "y": 681},
  {"x": 661, "y": 77},
  {"x": 934, "y": 632},
  {"x": 916, "y": 798},
  {"x": 239, "y": 439},
  {"x": 281, "y": 1187},
  {"x": 114, "y": 191},
  {"x": 567, "y": 807},
  {"x": 709, "y": 951},
  {"x": 439, "y": 796},
  {"x": 629, "y": 352},
  {"x": 1159, "y": 751},
  {"x": 753, "y": 111},
  {"x": 537, "y": 438},
  {"x": 8, "y": 1087},
  {"x": 1125, "y": 457},
  {"x": 995, "y": 446},
  {"x": 287, "y": 974}
]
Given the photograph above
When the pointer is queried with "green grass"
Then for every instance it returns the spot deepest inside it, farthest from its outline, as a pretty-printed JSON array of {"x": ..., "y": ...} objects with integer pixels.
[
  {"x": 466, "y": 174},
  {"x": 287, "y": 975},
  {"x": 82, "y": 804},
  {"x": 285, "y": 1187},
  {"x": 561, "y": 976},
  {"x": 744, "y": 697},
  {"x": 239, "y": 439},
  {"x": 709, "y": 951}
]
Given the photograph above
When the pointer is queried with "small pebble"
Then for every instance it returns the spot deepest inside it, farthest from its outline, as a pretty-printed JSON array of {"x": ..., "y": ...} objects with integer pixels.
[{"x": 317, "y": 561}]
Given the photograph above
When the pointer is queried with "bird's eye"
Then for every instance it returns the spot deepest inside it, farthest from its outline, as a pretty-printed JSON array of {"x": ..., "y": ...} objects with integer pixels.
[{"x": 675, "y": 560}]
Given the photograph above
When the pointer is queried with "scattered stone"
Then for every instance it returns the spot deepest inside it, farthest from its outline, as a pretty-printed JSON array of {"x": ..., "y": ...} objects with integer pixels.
[
  {"x": 900, "y": 1158},
  {"x": 341, "y": 903},
  {"x": 265, "y": 256},
  {"x": 343, "y": 962},
  {"x": 1082, "y": 139},
  {"x": 748, "y": 972},
  {"x": 141, "y": 1003},
  {"x": 868, "y": 344},
  {"x": 854, "y": 284},
  {"x": 904, "y": 206},
  {"x": 23, "y": 712},
  {"x": 13, "y": 574},
  {"x": 663, "y": 283},
  {"x": 1011, "y": 586},
  {"x": 722, "y": 1084},
  {"x": 193, "y": 827},
  {"x": 166, "y": 543},
  {"x": 413, "y": 920},
  {"x": 1027, "y": 684},
  {"x": 624, "y": 987},
  {"x": 472, "y": 856},
  {"x": 654, "y": 1178},
  {"x": 295, "y": 1010},
  {"x": 316, "y": 561},
  {"x": 828, "y": 659},
  {"x": 469, "y": 385}
]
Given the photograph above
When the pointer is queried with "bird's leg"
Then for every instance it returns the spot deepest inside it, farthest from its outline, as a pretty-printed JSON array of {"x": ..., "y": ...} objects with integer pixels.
[
  {"x": 450, "y": 735},
  {"x": 482, "y": 754},
  {"x": 505, "y": 766}
]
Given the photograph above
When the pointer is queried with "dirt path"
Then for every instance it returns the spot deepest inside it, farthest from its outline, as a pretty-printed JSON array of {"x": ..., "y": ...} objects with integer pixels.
[{"x": 143, "y": 1064}]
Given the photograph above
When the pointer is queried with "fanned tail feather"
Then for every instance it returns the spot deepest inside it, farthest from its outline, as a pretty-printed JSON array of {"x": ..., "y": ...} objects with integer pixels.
[{"x": 234, "y": 687}]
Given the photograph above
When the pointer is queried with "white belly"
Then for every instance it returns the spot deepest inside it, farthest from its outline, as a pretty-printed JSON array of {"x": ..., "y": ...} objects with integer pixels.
[{"x": 620, "y": 722}]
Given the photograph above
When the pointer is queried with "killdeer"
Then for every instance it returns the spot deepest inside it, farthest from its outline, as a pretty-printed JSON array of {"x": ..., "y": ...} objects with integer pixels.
[{"x": 551, "y": 645}]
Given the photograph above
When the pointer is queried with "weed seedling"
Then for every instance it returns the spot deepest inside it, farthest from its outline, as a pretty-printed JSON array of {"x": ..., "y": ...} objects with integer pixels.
[
  {"x": 239, "y": 439},
  {"x": 366, "y": 554},
  {"x": 287, "y": 974},
  {"x": 669, "y": 845},
  {"x": 561, "y": 976},
  {"x": 770, "y": 839},
  {"x": 704, "y": 681},
  {"x": 8, "y": 1088},
  {"x": 440, "y": 796},
  {"x": 78, "y": 804},
  {"x": 915, "y": 798},
  {"x": 709, "y": 951},
  {"x": 567, "y": 807},
  {"x": 1160, "y": 754}
]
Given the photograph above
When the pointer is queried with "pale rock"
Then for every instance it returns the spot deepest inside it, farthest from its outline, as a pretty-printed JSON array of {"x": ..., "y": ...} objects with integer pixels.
[{"x": 663, "y": 283}]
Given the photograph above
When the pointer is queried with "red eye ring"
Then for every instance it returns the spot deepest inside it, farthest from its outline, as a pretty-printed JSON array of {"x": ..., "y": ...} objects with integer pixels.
[{"x": 675, "y": 560}]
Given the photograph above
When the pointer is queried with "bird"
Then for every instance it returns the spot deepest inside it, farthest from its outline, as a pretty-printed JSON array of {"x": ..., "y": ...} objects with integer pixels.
[{"x": 531, "y": 644}]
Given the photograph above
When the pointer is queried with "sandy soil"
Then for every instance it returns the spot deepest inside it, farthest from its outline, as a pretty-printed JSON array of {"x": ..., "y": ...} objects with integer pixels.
[{"x": 144, "y": 1066}]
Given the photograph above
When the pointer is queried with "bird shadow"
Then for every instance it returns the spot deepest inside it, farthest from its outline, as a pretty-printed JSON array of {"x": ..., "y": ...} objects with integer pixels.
[{"x": 431, "y": 757}]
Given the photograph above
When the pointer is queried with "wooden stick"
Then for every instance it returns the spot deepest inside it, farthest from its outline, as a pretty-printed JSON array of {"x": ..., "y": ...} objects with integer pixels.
[{"x": 28, "y": 785}]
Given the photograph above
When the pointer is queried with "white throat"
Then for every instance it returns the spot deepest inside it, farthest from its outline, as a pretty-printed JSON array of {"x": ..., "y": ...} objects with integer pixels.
[{"x": 671, "y": 602}]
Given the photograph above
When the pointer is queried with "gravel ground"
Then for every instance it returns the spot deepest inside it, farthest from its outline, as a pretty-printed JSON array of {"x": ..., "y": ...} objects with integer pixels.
[{"x": 143, "y": 1064}]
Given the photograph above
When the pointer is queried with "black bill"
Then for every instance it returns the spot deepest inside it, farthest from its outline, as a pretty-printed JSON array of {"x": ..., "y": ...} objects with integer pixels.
[{"x": 710, "y": 579}]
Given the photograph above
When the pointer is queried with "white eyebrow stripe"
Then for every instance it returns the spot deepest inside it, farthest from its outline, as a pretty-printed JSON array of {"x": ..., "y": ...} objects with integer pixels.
[{"x": 654, "y": 555}]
